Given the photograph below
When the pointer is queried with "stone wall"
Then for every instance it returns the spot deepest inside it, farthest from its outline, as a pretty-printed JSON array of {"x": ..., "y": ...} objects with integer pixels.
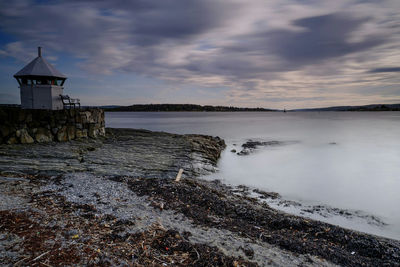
[{"x": 28, "y": 125}]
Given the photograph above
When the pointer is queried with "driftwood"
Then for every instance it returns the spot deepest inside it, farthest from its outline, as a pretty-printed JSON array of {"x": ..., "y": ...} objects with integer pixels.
[{"x": 178, "y": 177}]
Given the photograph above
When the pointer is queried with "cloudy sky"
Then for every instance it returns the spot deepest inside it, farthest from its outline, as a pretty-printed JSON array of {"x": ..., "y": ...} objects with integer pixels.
[{"x": 266, "y": 53}]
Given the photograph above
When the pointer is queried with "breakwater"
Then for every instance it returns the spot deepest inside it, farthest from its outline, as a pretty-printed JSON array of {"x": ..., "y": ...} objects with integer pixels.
[{"x": 29, "y": 126}]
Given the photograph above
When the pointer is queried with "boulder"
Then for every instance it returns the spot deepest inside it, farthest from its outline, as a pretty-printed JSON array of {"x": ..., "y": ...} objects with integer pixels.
[
  {"x": 25, "y": 138},
  {"x": 43, "y": 135}
]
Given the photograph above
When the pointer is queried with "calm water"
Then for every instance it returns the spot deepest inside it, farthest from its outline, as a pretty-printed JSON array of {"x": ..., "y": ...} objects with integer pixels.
[{"x": 360, "y": 172}]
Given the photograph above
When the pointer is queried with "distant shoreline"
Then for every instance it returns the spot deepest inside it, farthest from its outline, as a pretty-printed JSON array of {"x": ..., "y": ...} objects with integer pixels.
[
  {"x": 209, "y": 108},
  {"x": 182, "y": 108}
]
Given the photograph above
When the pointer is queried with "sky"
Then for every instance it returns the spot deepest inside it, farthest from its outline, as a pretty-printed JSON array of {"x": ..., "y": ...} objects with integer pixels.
[{"x": 246, "y": 53}]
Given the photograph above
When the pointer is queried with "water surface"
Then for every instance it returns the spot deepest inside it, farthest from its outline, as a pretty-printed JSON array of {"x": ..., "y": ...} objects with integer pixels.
[{"x": 348, "y": 160}]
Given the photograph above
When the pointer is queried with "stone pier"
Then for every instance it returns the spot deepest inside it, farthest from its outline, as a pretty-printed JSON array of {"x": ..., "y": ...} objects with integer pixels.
[{"x": 29, "y": 125}]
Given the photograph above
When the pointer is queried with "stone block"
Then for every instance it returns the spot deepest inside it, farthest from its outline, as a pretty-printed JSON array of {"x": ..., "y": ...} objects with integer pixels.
[
  {"x": 78, "y": 118},
  {"x": 62, "y": 134},
  {"x": 81, "y": 133},
  {"x": 71, "y": 132},
  {"x": 21, "y": 115},
  {"x": 93, "y": 131},
  {"x": 5, "y": 130},
  {"x": 12, "y": 140},
  {"x": 25, "y": 138},
  {"x": 3, "y": 115},
  {"x": 102, "y": 131},
  {"x": 43, "y": 135},
  {"x": 28, "y": 118}
]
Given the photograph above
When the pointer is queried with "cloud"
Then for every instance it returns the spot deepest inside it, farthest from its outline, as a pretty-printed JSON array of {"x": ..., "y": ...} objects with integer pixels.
[
  {"x": 389, "y": 69},
  {"x": 324, "y": 37},
  {"x": 299, "y": 48}
]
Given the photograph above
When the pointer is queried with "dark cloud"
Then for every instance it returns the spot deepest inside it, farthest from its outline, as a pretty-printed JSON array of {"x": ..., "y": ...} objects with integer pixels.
[
  {"x": 324, "y": 37},
  {"x": 390, "y": 69},
  {"x": 320, "y": 38},
  {"x": 153, "y": 21}
]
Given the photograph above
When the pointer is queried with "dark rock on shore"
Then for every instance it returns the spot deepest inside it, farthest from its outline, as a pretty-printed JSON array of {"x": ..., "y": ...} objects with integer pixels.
[
  {"x": 217, "y": 207},
  {"x": 131, "y": 152},
  {"x": 251, "y": 145}
]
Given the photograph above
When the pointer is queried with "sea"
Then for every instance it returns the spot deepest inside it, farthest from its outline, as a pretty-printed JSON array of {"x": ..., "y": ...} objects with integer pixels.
[{"x": 339, "y": 167}]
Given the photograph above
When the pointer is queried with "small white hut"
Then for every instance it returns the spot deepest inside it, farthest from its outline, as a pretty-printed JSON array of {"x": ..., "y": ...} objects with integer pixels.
[{"x": 41, "y": 85}]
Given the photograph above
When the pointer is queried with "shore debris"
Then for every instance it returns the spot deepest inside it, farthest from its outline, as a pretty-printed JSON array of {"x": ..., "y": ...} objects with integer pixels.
[{"x": 178, "y": 177}]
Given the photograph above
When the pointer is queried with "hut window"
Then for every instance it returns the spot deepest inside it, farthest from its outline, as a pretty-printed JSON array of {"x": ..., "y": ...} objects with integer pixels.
[{"x": 24, "y": 81}]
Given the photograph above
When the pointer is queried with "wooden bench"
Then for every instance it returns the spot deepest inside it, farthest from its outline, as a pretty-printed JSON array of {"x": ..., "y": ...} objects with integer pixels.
[{"x": 70, "y": 102}]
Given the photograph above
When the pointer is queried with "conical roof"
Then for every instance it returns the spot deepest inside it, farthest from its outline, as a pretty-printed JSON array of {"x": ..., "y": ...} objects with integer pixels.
[{"x": 39, "y": 67}]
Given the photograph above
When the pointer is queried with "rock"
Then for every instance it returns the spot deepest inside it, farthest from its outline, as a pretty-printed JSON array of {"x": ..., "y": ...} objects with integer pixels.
[
  {"x": 28, "y": 118},
  {"x": 86, "y": 117},
  {"x": 21, "y": 115},
  {"x": 90, "y": 122},
  {"x": 3, "y": 115},
  {"x": 43, "y": 135},
  {"x": 254, "y": 144},
  {"x": 5, "y": 130},
  {"x": 244, "y": 152},
  {"x": 25, "y": 138},
  {"x": 12, "y": 140},
  {"x": 93, "y": 131},
  {"x": 102, "y": 131},
  {"x": 71, "y": 132},
  {"x": 62, "y": 134},
  {"x": 81, "y": 133},
  {"x": 251, "y": 145},
  {"x": 233, "y": 150}
]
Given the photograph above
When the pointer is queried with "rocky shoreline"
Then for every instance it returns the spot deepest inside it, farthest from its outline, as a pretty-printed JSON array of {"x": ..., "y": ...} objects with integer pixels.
[{"x": 113, "y": 201}]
